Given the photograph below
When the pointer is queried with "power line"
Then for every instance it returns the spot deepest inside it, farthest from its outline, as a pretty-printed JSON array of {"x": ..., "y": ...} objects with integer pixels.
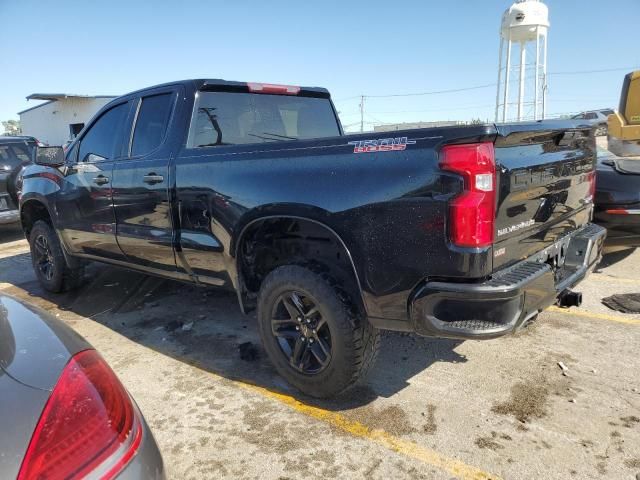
[
  {"x": 467, "y": 107},
  {"x": 461, "y": 107},
  {"x": 415, "y": 94},
  {"x": 581, "y": 72},
  {"x": 374, "y": 118},
  {"x": 454, "y": 90},
  {"x": 478, "y": 87},
  {"x": 353, "y": 97}
]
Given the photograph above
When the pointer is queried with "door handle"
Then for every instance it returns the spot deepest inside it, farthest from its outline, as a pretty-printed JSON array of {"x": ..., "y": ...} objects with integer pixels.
[
  {"x": 152, "y": 178},
  {"x": 100, "y": 180}
]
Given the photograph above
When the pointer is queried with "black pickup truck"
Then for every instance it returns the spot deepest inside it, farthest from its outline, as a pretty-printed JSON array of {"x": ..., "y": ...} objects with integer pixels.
[{"x": 460, "y": 232}]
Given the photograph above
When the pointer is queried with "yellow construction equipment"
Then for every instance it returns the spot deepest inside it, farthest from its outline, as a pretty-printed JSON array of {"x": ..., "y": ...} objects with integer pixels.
[{"x": 624, "y": 125}]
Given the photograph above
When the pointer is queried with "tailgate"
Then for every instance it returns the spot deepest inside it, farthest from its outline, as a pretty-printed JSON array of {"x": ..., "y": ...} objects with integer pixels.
[{"x": 544, "y": 178}]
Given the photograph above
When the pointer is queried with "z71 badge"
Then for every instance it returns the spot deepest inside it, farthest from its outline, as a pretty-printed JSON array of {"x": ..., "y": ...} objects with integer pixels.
[{"x": 381, "y": 145}]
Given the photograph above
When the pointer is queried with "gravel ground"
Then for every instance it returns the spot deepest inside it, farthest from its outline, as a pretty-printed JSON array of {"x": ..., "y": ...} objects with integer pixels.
[{"x": 430, "y": 409}]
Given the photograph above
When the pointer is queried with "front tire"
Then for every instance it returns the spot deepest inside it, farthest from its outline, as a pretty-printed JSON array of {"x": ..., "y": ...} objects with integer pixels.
[
  {"x": 48, "y": 261},
  {"x": 312, "y": 333}
]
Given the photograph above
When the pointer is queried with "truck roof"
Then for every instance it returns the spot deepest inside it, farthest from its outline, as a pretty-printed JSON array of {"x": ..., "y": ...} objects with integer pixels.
[
  {"x": 218, "y": 84},
  {"x": 16, "y": 138}
]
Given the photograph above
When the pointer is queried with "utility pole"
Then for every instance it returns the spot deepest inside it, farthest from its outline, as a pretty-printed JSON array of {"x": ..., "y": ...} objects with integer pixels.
[{"x": 361, "y": 113}]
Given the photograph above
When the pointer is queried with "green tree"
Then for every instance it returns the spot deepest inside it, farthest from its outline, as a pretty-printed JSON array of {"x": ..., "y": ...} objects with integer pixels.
[{"x": 12, "y": 127}]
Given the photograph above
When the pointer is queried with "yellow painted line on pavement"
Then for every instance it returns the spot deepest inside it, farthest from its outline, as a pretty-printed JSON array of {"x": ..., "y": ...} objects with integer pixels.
[
  {"x": 407, "y": 448},
  {"x": 13, "y": 252},
  {"x": 596, "y": 316},
  {"x": 404, "y": 447}
]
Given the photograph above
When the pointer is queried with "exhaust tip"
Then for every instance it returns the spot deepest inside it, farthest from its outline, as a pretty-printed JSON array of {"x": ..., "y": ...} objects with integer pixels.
[{"x": 570, "y": 299}]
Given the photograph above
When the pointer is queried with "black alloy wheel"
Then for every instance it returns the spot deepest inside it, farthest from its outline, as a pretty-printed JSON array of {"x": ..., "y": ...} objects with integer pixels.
[
  {"x": 315, "y": 336},
  {"x": 49, "y": 263},
  {"x": 301, "y": 332},
  {"x": 43, "y": 257}
]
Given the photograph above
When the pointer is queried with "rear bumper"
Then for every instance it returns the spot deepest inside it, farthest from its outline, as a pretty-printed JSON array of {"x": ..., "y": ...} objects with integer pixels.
[
  {"x": 147, "y": 463},
  {"x": 510, "y": 298}
]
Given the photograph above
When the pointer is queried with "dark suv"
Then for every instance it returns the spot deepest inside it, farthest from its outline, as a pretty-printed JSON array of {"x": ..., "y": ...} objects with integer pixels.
[{"x": 15, "y": 154}]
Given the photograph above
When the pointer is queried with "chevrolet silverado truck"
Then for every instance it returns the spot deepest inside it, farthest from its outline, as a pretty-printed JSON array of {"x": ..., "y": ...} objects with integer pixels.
[{"x": 463, "y": 232}]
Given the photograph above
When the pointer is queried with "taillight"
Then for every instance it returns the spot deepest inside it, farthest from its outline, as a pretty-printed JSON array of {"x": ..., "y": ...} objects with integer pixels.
[
  {"x": 472, "y": 212},
  {"x": 623, "y": 211},
  {"x": 591, "y": 178},
  {"x": 271, "y": 88},
  {"x": 89, "y": 425}
]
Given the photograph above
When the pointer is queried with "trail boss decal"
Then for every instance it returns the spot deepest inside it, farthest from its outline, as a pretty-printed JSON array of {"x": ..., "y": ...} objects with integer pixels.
[{"x": 381, "y": 145}]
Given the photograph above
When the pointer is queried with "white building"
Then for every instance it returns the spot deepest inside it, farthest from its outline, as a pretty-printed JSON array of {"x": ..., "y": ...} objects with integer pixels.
[{"x": 61, "y": 117}]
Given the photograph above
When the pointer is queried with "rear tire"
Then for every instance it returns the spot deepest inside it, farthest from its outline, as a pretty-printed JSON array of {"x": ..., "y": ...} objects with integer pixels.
[
  {"x": 323, "y": 344},
  {"x": 48, "y": 261}
]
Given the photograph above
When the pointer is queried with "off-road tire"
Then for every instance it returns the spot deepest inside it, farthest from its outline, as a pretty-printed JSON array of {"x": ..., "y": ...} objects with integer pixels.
[
  {"x": 354, "y": 341},
  {"x": 62, "y": 277}
]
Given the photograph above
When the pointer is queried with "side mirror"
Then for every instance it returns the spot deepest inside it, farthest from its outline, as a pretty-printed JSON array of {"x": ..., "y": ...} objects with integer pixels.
[{"x": 50, "y": 156}]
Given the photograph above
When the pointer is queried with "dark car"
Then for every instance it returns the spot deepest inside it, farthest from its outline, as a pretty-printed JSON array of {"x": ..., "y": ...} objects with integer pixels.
[
  {"x": 463, "y": 232},
  {"x": 15, "y": 154},
  {"x": 617, "y": 202},
  {"x": 64, "y": 413}
]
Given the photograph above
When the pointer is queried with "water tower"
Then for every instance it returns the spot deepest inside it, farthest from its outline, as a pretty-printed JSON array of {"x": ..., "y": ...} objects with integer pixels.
[{"x": 522, "y": 67}]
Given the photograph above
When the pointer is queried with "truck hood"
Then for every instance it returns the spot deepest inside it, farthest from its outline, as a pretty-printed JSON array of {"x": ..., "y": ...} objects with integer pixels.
[{"x": 34, "y": 346}]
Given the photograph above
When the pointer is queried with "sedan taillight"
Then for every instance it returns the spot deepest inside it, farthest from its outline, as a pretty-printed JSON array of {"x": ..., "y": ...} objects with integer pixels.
[
  {"x": 472, "y": 212},
  {"x": 89, "y": 425}
]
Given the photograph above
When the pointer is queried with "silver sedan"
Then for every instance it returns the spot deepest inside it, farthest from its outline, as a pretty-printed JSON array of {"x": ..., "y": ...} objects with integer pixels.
[{"x": 64, "y": 412}]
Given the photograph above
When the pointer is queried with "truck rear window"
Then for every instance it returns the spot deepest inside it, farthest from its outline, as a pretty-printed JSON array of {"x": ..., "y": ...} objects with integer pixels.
[{"x": 225, "y": 118}]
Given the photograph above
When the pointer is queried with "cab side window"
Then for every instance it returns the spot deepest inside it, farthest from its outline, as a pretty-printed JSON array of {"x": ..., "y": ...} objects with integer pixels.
[
  {"x": 72, "y": 155},
  {"x": 22, "y": 153},
  {"x": 5, "y": 153},
  {"x": 151, "y": 124},
  {"x": 103, "y": 140}
]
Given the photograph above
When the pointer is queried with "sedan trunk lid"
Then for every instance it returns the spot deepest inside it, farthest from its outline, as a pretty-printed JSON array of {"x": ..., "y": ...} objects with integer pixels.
[{"x": 34, "y": 347}]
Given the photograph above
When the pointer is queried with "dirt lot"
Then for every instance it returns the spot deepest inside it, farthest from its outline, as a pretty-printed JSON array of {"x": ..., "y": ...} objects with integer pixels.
[{"x": 431, "y": 408}]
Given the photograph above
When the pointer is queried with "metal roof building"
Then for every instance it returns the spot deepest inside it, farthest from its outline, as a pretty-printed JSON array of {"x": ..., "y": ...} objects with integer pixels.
[{"x": 60, "y": 117}]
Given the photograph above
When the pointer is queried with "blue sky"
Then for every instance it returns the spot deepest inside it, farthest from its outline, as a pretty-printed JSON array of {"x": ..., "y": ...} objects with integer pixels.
[{"x": 349, "y": 47}]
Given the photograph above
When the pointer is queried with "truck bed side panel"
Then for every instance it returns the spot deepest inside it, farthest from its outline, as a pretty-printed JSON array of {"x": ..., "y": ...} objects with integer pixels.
[{"x": 388, "y": 207}]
